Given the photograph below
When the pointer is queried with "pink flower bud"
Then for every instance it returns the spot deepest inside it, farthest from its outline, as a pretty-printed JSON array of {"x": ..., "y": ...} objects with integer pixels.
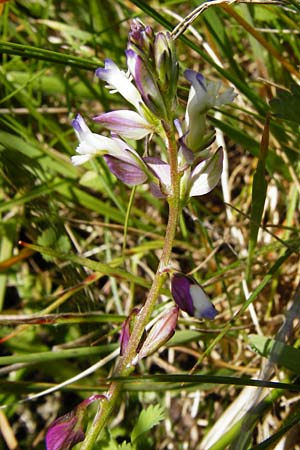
[
  {"x": 160, "y": 333},
  {"x": 126, "y": 330},
  {"x": 66, "y": 431}
]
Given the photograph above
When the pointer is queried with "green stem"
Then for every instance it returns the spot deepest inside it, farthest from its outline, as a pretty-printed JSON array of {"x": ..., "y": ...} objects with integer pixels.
[{"x": 125, "y": 366}]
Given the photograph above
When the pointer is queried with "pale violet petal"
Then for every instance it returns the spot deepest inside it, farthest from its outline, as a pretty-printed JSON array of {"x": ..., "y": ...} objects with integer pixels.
[
  {"x": 127, "y": 153},
  {"x": 84, "y": 148},
  {"x": 125, "y": 123},
  {"x": 118, "y": 80},
  {"x": 161, "y": 169},
  {"x": 129, "y": 172},
  {"x": 96, "y": 144},
  {"x": 206, "y": 175},
  {"x": 226, "y": 97},
  {"x": 202, "y": 304},
  {"x": 80, "y": 127}
]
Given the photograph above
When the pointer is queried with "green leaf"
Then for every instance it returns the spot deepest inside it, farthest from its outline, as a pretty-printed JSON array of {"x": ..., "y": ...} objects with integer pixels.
[
  {"x": 50, "y": 238},
  {"x": 259, "y": 191},
  {"x": 287, "y": 104},
  {"x": 276, "y": 351},
  {"x": 147, "y": 419}
]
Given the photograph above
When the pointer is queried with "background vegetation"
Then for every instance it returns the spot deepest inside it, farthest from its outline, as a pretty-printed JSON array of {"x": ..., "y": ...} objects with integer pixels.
[{"x": 63, "y": 299}]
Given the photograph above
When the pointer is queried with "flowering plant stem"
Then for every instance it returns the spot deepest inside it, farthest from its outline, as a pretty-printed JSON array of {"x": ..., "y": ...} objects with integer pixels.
[{"x": 125, "y": 366}]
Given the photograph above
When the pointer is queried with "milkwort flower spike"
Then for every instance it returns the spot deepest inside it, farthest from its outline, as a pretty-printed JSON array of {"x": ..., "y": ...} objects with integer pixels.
[
  {"x": 66, "y": 431},
  {"x": 191, "y": 298}
]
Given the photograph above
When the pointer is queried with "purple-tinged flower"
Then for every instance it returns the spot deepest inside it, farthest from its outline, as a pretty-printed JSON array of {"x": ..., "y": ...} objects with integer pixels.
[
  {"x": 118, "y": 81},
  {"x": 126, "y": 329},
  {"x": 160, "y": 185},
  {"x": 140, "y": 38},
  {"x": 160, "y": 333},
  {"x": 66, "y": 431},
  {"x": 203, "y": 177},
  {"x": 191, "y": 298},
  {"x": 127, "y": 172},
  {"x": 91, "y": 144},
  {"x": 203, "y": 95},
  {"x": 206, "y": 175},
  {"x": 123, "y": 161},
  {"x": 127, "y": 166},
  {"x": 125, "y": 123}
]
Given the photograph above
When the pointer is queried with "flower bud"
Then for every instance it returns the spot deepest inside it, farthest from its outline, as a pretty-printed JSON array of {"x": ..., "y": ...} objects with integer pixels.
[
  {"x": 146, "y": 84},
  {"x": 160, "y": 333},
  {"x": 66, "y": 431},
  {"x": 191, "y": 298},
  {"x": 126, "y": 330},
  {"x": 166, "y": 66},
  {"x": 140, "y": 38},
  {"x": 122, "y": 160},
  {"x": 151, "y": 59}
]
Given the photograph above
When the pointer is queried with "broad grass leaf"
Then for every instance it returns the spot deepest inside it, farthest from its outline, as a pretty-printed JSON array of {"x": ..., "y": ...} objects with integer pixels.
[
  {"x": 276, "y": 351},
  {"x": 287, "y": 104}
]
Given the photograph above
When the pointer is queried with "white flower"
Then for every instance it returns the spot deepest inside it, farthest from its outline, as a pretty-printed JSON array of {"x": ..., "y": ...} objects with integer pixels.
[
  {"x": 206, "y": 175},
  {"x": 90, "y": 144},
  {"x": 118, "y": 80},
  {"x": 122, "y": 160},
  {"x": 203, "y": 95}
]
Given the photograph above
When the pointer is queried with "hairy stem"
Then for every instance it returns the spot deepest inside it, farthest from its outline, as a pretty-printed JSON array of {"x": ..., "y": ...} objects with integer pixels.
[{"x": 125, "y": 366}]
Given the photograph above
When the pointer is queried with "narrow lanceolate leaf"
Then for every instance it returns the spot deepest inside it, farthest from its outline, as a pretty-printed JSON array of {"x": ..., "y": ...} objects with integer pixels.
[
  {"x": 107, "y": 269},
  {"x": 259, "y": 191},
  {"x": 276, "y": 351}
]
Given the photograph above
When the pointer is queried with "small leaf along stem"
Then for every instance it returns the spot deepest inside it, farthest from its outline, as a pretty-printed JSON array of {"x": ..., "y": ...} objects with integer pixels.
[{"x": 125, "y": 366}]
